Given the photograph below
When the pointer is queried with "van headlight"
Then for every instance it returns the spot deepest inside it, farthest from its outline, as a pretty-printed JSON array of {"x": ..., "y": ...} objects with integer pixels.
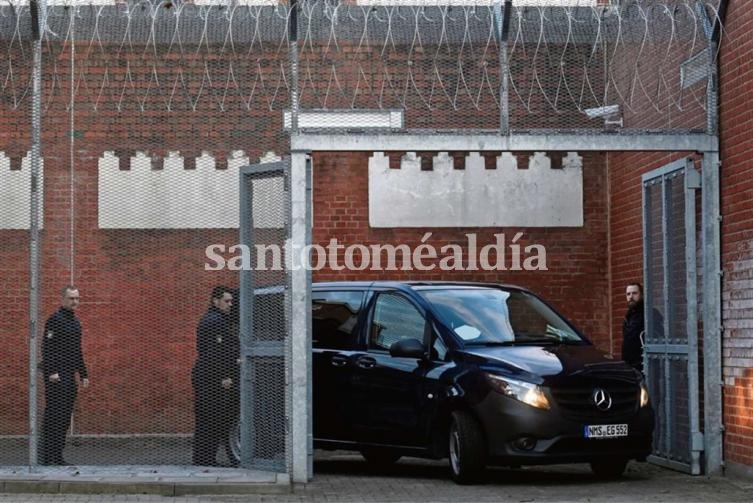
[
  {"x": 526, "y": 392},
  {"x": 644, "y": 394}
]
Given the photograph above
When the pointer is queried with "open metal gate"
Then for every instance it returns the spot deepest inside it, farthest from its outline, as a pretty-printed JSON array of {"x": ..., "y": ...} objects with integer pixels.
[
  {"x": 671, "y": 307},
  {"x": 265, "y": 318}
]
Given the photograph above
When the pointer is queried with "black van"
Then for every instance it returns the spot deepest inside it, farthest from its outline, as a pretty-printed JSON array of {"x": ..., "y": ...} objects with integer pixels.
[{"x": 477, "y": 373}]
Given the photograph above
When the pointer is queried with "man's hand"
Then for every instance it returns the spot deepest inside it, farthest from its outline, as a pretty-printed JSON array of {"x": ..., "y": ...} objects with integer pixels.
[
  {"x": 55, "y": 377},
  {"x": 85, "y": 382},
  {"x": 227, "y": 383}
]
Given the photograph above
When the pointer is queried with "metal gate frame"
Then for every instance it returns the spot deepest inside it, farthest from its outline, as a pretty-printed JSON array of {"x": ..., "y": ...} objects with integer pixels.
[
  {"x": 664, "y": 348},
  {"x": 253, "y": 349},
  {"x": 304, "y": 143}
]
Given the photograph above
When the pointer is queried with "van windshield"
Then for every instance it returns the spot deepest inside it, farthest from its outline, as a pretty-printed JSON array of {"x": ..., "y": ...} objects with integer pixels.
[{"x": 487, "y": 316}]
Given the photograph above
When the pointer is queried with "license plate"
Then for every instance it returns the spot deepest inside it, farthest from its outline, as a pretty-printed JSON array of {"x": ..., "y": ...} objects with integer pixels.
[{"x": 605, "y": 430}]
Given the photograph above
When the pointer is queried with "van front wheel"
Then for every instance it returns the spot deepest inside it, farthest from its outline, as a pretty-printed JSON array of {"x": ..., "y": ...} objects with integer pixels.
[{"x": 467, "y": 449}]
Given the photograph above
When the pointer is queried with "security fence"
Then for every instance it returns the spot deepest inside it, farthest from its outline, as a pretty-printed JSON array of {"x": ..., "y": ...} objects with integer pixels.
[{"x": 149, "y": 110}]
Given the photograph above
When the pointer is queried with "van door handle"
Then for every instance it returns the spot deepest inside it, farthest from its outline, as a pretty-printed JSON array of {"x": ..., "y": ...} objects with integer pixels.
[
  {"x": 339, "y": 361},
  {"x": 366, "y": 362}
]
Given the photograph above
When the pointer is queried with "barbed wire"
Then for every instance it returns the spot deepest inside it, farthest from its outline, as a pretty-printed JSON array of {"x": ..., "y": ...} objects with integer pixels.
[{"x": 151, "y": 56}]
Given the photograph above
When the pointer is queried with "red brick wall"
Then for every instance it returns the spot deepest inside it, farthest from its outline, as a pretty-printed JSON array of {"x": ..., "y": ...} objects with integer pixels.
[
  {"x": 576, "y": 282},
  {"x": 737, "y": 232}
]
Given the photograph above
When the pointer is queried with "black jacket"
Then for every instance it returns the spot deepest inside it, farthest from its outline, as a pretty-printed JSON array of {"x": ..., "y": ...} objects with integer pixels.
[
  {"x": 633, "y": 327},
  {"x": 61, "y": 345},
  {"x": 218, "y": 349}
]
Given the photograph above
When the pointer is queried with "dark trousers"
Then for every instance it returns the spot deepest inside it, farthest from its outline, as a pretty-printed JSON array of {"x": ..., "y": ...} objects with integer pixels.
[
  {"x": 215, "y": 410},
  {"x": 59, "y": 399}
]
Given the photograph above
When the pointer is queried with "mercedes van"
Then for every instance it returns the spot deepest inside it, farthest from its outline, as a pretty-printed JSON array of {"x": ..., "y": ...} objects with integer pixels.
[{"x": 480, "y": 374}]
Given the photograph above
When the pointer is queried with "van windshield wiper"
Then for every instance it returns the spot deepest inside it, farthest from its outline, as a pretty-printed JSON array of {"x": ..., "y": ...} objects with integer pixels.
[
  {"x": 549, "y": 341},
  {"x": 491, "y": 343},
  {"x": 507, "y": 343}
]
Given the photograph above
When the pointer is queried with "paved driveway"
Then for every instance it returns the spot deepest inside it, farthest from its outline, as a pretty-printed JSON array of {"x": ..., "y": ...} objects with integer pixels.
[{"x": 344, "y": 477}]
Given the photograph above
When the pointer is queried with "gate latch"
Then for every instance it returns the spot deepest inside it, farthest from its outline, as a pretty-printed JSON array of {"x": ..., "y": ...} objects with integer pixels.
[{"x": 692, "y": 178}]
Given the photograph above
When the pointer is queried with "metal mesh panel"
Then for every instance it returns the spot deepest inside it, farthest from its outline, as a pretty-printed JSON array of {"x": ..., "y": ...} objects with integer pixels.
[
  {"x": 678, "y": 394},
  {"x": 655, "y": 280},
  {"x": 657, "y": 391},
  {"x": 670, "y": 373},
  {"x": 267, "y": 345},
  {"x": 676, "y": 253},
  {"x": 269, "y": 408},
  {"x": 14, "y": 332},
  {"x": 672, "y": 432}
]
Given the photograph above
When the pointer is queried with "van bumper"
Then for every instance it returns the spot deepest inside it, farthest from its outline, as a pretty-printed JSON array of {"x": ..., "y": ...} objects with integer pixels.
[{"x": 518, "y": 434}]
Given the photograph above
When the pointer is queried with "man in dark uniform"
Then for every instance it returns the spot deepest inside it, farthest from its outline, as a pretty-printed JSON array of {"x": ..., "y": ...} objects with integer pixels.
[
  {"x": 61, "y": 359},
  {"x": 633, "y": 327},
  {"x": 215, "y": 378}
]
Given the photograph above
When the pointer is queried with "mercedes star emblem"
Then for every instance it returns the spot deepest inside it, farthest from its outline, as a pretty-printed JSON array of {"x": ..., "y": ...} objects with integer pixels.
[{"x": 601, "y": 399}]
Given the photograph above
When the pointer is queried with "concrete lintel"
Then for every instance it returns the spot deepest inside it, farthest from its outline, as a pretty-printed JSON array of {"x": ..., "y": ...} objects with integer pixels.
[{"x": 353, "y": 142}]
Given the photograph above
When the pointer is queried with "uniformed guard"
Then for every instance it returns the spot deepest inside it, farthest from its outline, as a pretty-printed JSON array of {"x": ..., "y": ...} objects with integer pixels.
[
  {"x": 61, "y": 359},
  {"x": 633, "y": 327},
  {"x": 215, "y": 378}
]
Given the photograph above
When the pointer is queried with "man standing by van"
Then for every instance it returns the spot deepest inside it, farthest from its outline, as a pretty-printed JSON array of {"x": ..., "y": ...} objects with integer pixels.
[
  {"x": 633, "y": 327},
  {"x": 215, "y": 377}
]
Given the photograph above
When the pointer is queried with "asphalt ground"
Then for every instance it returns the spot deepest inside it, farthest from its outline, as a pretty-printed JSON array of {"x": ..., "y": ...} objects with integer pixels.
[{"x": 344, "y": 477}]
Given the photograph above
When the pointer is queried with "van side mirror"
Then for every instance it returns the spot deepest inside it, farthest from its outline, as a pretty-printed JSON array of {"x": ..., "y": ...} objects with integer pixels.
[{"x": 409, "y": 348}]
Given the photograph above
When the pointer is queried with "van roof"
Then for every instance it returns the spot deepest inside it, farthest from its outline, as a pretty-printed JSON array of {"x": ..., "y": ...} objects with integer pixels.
[{"x": 417, "y": 284}]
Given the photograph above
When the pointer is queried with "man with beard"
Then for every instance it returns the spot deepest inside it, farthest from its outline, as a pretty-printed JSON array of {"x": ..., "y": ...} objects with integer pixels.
[{"x": 633, "y": 327}]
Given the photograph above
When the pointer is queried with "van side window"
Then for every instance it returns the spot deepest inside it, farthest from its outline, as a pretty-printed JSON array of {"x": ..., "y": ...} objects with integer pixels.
[
  {"x": 334, "y": 316},
  {"x": 395, "y": 318}
]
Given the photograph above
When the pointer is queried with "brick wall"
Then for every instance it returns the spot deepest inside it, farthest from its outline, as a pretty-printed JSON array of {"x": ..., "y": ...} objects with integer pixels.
[{"x": 737, "y": 232}]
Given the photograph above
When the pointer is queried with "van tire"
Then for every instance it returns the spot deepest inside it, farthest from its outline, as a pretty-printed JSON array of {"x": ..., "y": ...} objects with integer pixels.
[
  {"x": 466, "y": 449},
  {"x": 379, "y": 457},
  {"x": 609, "y": 469}
]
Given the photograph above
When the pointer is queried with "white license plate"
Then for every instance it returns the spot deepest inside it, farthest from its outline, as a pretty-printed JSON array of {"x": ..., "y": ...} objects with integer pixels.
[{"x": 605, "y": 430}]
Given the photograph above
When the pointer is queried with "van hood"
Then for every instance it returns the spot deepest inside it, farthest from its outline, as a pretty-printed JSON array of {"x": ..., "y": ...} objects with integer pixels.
[{"x": 546, "y": 362}]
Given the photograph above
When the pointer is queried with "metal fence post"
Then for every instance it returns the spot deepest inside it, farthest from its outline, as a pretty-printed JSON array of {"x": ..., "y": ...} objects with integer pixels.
[{"x": 38, "y": 18}]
